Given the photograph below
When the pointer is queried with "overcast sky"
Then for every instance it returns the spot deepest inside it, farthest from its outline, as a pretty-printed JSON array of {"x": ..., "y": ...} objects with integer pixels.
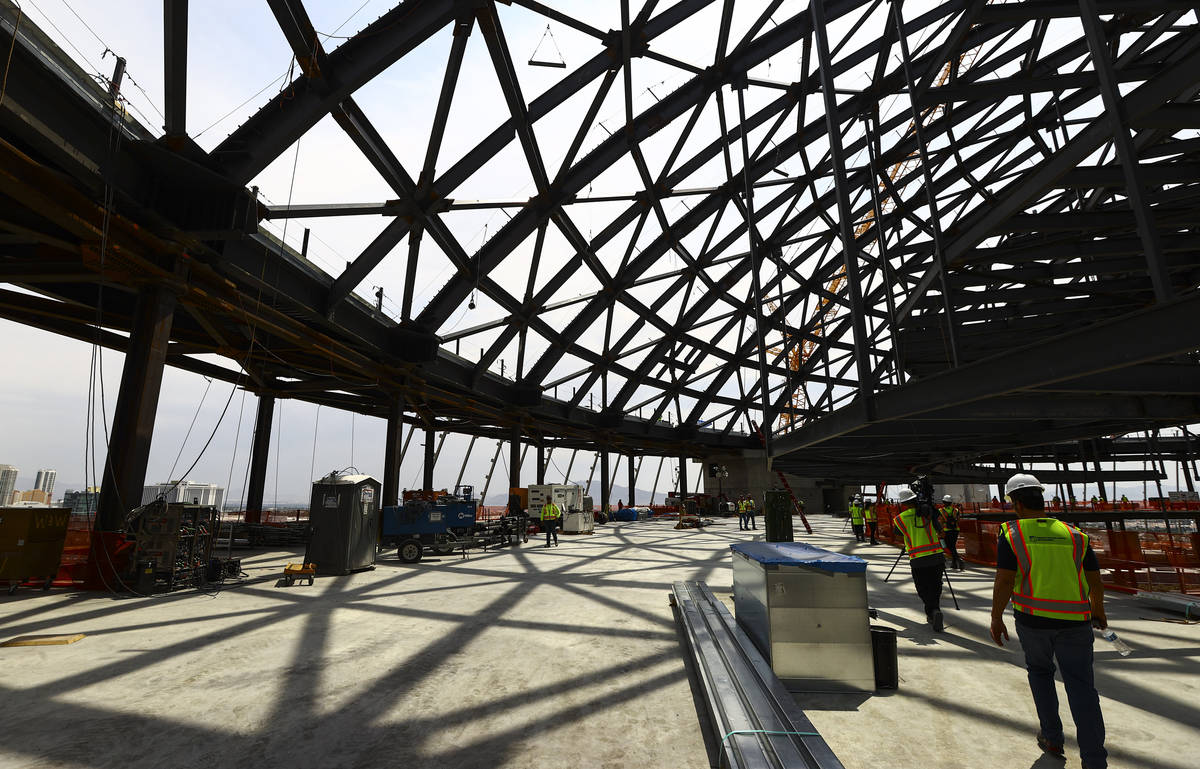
[{"x": 238, "y": 61}]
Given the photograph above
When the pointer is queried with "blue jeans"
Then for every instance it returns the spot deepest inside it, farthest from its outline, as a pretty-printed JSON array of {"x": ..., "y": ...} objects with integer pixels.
[
  {"x": 743, "y": 521},
  {"x": 1072, "y": 648}
]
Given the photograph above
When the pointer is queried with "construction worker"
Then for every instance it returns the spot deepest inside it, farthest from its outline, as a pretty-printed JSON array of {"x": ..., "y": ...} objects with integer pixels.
[
  {"x": 743, "y": 518},
  {"x": 925, "y": 556},
  {"x": 872, "y": 520},
  {"x": 950, "y": 516},
  {"x": 856, "y": 519},
  {"x": 550, "y": 521},
  {"x": 1048, "y": 570},
  {"x": 751, "y": 511}
]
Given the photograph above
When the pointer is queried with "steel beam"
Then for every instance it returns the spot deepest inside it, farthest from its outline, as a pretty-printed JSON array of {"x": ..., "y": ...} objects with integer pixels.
[{"x": 1114, "y": 107}]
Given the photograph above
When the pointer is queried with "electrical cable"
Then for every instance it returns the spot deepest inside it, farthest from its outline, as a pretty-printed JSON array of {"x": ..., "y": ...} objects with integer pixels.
[
  {"x": 11, "y": 46},
  {"x": 188, "y": 434}
]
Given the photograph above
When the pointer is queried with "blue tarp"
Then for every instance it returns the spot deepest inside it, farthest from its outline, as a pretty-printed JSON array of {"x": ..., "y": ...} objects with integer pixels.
[{"x": 799, "y": 554}]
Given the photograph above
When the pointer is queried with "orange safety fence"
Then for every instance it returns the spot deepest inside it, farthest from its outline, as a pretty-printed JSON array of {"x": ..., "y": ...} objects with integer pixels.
[{"x": 1134, "y": 560}]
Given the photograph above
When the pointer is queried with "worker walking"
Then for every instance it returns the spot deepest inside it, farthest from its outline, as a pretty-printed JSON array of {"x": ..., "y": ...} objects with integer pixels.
[
  {"x": 743, "y": 519},
  {"x": 550, "y": 519},
  {"x": 1048, "y": 570},
  {"x": 751, "y": 511},
  {"x": 856, "y": 519},
  {"x": 925, "y": 557},
  {"x": 872, "y": 519},
  {"x": 950, "y": 516}
]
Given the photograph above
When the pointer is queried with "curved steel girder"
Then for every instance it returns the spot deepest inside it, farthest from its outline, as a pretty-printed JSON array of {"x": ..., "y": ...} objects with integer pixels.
[
  {"x": 604, "y": 156},
  {"x": 1064, "y": 54},
  {"x": 283, "y": 120}
]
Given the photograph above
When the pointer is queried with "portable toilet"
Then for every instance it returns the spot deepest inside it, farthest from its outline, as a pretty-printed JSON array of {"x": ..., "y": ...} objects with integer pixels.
[{"x": 343, "y": 516}]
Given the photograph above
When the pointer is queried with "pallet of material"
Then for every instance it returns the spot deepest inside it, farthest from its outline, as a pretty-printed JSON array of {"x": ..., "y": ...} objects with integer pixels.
[{"x": 754, "y": 720}]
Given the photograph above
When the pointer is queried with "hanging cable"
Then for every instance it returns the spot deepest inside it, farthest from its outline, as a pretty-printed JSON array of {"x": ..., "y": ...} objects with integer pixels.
[
  {"x": 534, "y": 61},
  {"x": 8, "y": 60},
  {"x": 188, "y": 434}
]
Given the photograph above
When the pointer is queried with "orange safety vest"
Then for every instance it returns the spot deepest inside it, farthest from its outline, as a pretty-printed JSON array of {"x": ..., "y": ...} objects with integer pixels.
[
  {"x": 1050, "y": 568},
  {"x": 920, "y": 539}
]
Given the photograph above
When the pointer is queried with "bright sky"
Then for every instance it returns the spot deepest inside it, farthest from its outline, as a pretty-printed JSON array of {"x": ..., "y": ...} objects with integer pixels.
[{"x": 238, "y": 62}]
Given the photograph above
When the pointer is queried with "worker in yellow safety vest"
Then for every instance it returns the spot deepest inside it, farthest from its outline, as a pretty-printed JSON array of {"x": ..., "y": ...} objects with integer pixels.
[
  {"x": 872, "y": 519},
  {"x": 550, "y": 521},
  {"x": 1048, "y": 570},
  {"x": 950, "y": 516},
  {"x": 743, "y": 519},
  {"x": 856, "y": 519},
  {"x": 924, "y": 548}
]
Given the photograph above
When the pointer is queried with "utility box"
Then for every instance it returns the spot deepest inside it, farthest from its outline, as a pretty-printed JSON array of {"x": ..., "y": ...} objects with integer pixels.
[
  {"x": 777, "y": 518},
  {"x": 806, "y": 610},
  {"x": 566, "y": 497},
  {"x": 579, "y": 522},
  {"x": 31, "y": 542},
  {"x": 343, "y": 523}
]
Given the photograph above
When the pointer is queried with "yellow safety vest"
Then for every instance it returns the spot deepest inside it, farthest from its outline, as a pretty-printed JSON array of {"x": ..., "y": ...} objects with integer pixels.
[
  {"x": 920, "y": 539},
  {"x": 870, "y": 513},
  {"x": 950, "y": 516},
  {"x": 856, "y": 514},
  {"x": 549, "y": 511},
  {"x": 1050, "y": 581}
]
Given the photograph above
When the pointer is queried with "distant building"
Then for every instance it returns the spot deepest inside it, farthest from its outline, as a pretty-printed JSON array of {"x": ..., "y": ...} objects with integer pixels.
[
  {"x": 186, "y": 492},
  {"x": 82, "y": 501},
  {"x": 8, "y": 483},
  {"x": 45, "y": 481},
  {"x": 31, "y": 498}
]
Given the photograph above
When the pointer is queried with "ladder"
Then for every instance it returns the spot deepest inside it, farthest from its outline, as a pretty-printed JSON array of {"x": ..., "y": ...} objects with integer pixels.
[{"x": 795, "y": 502}]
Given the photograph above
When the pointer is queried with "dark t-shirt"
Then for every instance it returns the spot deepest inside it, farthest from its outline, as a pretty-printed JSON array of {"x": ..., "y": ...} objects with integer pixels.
[{"x": 1007, "y": 559}]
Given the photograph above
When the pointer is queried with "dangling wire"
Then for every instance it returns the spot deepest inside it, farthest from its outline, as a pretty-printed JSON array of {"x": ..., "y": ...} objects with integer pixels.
[{"x": 534, "y": 61}]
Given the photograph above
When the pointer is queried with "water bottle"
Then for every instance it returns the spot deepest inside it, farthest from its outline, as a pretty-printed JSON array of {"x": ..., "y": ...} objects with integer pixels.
[{"x": 1122, "y": 648}]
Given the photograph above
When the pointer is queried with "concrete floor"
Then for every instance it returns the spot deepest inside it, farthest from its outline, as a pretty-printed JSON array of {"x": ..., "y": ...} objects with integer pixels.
[{"x": 525, "y": 657}]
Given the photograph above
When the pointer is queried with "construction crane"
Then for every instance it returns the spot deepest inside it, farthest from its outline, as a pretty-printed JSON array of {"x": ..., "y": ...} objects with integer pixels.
[{"x": 828, "y": 310}]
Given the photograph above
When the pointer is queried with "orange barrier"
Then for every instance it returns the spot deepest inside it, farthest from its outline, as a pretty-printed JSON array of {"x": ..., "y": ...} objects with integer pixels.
[{"x": 1129, "y": 560}]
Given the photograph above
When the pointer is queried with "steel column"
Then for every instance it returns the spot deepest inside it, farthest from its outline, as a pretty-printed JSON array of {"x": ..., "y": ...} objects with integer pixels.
[
  {"x": 137, "y": 404},
  {"x": 392, "y": 448},
  {"x": 632, "y": 480},
  {"x": 683, "y": 484},
  {"x": 514, "y": 459},
  {"x": 604, "y": 484},
  {"x": 430, "y": 460},
  {"x": 175, "y": 27},
  {"x": 541, "y": 464},
  {"x": 259, "y": 454}
]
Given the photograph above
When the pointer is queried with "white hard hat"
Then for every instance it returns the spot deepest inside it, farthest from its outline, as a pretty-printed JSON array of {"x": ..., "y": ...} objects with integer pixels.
[
  {"x": 1022, "y": 481},
  {"x": 947, "y": 498},
  {"x": 906, "y": 494}
]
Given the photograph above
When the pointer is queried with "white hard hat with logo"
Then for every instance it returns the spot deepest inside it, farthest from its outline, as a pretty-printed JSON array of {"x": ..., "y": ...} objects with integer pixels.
[
  {"x": 905, "y": 495},
  {"x": 1022, "y": 481}
]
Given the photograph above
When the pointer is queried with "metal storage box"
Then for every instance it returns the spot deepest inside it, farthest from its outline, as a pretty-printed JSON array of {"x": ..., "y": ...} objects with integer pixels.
[
  {"x": 806, "y": 610},
  {"x": 31, "y": 541},
  {"x": 579, "y": 522},
  {"x": 344, "y": 523}
]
